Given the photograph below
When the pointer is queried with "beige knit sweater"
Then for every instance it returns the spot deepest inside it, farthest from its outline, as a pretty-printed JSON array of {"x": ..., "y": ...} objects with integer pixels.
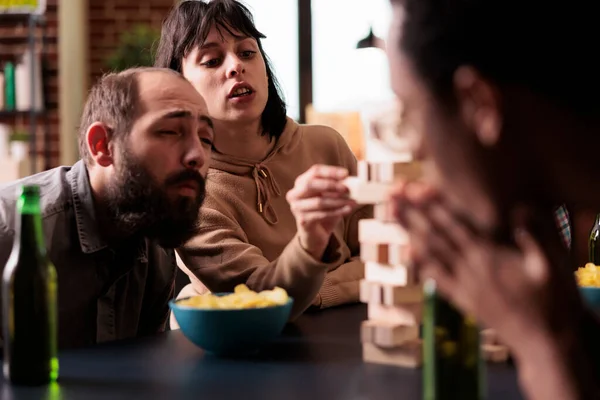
[{"x": 248, "y": 232}]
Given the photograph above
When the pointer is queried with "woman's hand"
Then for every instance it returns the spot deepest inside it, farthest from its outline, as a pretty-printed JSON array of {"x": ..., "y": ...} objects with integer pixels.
[{"x": 319, "y": 201}]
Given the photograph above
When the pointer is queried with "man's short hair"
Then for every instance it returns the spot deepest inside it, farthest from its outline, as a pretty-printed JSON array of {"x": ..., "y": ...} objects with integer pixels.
[{"x": 113, "y": 100}]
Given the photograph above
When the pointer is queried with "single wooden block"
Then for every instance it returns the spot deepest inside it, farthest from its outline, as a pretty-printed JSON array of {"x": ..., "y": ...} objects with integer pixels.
[
  {"x": 391, "y": 295},
  {"x": 399, "y": 254},
  {"x": 488, "y": 337},
  {"x": 495, "y": 353},
  {"x": 374, "y": 252},
  {"x": 383, "y": 212},
  {"x": 405, "y": 314},
  {"x": 374, "y": 231},
  {"x": 385, "y": 253},
  {"x": 389, "y": 274},
  {"x": 409, "y": 355},
  {"x": 390, "y": 172},
  {"x": 386, "y": 334},
  {"x": 367, "y": 192}
]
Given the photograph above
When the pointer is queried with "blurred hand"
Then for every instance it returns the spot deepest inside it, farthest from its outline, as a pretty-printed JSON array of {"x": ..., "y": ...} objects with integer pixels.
[
  {"x": 522, "y": 290},
  {"x": 319, "y": 201},
  {"x": 513, "y": 288}
]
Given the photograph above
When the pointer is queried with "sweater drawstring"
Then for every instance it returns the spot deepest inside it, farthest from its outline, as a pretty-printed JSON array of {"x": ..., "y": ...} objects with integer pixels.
[{"x": 262, "y": 176}]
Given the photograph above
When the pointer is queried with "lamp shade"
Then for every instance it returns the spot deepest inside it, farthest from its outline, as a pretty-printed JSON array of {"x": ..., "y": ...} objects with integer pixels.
[{"x": 370, "y": 41}]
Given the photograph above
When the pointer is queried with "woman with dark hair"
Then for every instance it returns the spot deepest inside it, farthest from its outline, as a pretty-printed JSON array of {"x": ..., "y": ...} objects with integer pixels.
[{"x": 277, "y": 212}]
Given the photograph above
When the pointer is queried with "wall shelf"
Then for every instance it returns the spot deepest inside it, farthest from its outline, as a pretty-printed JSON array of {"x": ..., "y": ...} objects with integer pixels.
[
  {"x": 20, "y": 113},
  {"x": 33, "y": 38}
]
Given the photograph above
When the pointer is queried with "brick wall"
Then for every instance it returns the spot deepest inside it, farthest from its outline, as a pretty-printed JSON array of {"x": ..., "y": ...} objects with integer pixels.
[
  {"x": 110, "y": 18},
  {"x": 13, "y": 42}
]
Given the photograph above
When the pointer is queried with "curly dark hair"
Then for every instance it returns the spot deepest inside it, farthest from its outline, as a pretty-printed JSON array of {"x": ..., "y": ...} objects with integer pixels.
[{"x": 542, "y": 47}]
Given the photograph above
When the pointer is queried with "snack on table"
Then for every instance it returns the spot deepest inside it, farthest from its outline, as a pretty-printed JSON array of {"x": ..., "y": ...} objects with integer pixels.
[
  {"x": 588, "y": 276},
  {"x": 241, "y": 298}
]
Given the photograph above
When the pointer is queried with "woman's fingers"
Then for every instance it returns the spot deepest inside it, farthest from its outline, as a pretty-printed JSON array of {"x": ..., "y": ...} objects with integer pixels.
[
  {"x": 320, "y": 204},
  {"x": 314, "y": 217},
  {"x": 317, "y": 187},
  {"x": 323, "y": 171}
]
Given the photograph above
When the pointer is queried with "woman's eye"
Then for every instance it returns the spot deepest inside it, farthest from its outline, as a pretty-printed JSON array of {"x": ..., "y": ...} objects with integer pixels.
[
  {"x": 247, "y": 53},
  {"x": 213, "y": 62}
]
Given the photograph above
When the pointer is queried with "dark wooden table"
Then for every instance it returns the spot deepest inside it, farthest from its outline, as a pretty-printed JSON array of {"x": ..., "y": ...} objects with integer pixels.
[{"x": 317, "y": 357}]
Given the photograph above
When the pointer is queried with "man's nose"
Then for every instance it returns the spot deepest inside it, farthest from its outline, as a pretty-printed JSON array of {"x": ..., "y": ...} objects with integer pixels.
[{"x": 196, "y": 155}]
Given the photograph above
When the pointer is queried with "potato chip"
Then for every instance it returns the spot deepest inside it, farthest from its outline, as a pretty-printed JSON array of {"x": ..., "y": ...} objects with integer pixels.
[
  {"x": 241, "y": 298},
  {"x": 588, "y": 276},
  {"x": 241, "y": 288}
]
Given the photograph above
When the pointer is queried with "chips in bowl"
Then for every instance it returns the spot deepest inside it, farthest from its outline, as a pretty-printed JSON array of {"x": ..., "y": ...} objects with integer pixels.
[
  {"x": 241, "y": 298},
  {"x": 588, "y": 276},
  {"x": 233, "y": 324}
]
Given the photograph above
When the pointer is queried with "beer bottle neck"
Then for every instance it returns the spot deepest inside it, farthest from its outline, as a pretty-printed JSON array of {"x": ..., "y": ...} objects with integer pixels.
[
  {"x": 30, "y": 233},
  {"x": 29, "y": 205}
]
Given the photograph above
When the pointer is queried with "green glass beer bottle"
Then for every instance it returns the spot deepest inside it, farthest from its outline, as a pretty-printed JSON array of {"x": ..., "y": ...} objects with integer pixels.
[
  {"x": 453, "y": 367},
  {"x": 594, "y": 242},
  {"x": 29, "y": 299}
]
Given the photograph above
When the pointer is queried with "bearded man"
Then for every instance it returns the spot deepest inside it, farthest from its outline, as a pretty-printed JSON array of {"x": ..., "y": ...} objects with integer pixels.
[{"x": 111, "y": 221}]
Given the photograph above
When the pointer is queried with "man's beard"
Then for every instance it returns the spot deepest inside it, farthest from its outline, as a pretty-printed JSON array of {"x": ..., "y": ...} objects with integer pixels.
[{"x": 138, "y": 205}]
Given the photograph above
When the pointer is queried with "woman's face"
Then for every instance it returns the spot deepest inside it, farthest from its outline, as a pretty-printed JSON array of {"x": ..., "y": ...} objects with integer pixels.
[{"x": 230, "y": 73}]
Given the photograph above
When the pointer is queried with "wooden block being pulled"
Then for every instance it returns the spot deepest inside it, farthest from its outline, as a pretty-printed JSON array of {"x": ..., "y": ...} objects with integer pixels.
[
  {"x": 392, "y": 171},
  {"x": 405, "y": 314},
  {"x": 374, "y": 231},
  {"x": 386, "y": 334},
  {"x": 388, "y": 294},
  {"x": 365, "y": 192},
  {"x": 489, "y": 337},
  {"x": 494, "y": 353},
  {"x": 409, "y": 355},
  {"x": 389, "y": 274}
]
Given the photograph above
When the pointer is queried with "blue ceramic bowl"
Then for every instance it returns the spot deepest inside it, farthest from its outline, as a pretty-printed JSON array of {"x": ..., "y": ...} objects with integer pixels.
[
  {"x": 591, "y": 296},
  {"x": 231, "y": 332}
]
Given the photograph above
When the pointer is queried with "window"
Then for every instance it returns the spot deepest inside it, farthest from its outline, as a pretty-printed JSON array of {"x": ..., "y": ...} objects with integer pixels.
[
  {"x": 346, "y": 78},
  {"x": 278, "y": 21}
]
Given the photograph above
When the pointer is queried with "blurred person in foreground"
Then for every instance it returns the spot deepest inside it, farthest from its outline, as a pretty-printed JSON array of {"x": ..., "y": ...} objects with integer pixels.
[
  {"x": 504, "y": 98},
  {"x": 112, "y": 220}
]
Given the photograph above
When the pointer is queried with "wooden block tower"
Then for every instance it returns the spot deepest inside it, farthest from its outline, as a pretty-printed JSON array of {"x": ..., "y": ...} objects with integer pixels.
[
  {"x": 394, "y": 297},
  {"x": 391, "y": 289}
]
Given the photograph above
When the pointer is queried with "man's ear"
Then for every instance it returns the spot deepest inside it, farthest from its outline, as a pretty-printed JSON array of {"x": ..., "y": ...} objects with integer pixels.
[
  {"x": 479, "y": 104},
  {"x": 98, "y": 139}
]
